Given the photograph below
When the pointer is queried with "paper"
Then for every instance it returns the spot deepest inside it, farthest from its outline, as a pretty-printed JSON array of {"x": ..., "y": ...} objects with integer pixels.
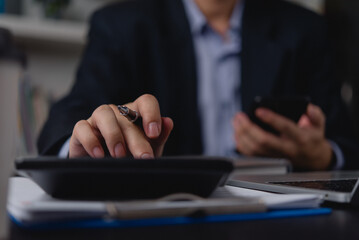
[
  {"x": 29, "y": 203},
  {"x": 279, "y": 201},
  {"x": 30, "y": 207}
]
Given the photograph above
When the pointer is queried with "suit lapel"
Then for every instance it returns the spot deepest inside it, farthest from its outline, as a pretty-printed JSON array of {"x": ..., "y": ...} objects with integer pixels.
[
  {"x": 261, "y": 55},
  {"x": 180, "y": 66}
]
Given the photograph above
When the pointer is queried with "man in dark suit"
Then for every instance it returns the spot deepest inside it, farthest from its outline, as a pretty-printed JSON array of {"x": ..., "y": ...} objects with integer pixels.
[{"x": 157, "y": 53}]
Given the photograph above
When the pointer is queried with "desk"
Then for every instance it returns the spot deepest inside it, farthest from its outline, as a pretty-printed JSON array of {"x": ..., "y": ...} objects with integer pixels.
[{"x": 341, "y": 224}]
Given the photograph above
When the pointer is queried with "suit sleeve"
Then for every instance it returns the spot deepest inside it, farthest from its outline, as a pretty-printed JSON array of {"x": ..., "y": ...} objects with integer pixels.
[
  {"x": 325, "y": 91},
  {"x": 95, "y": 85}
]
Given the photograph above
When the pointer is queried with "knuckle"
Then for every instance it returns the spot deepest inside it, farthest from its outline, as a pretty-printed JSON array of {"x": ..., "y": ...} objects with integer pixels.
[
  {"x": 113, "y": 107},
  {"x": 148, "y": 98},
  {"x": 101, "y": 113},
  {"x": 79, "y": 125},
  {"x": 101, "y": 109}
]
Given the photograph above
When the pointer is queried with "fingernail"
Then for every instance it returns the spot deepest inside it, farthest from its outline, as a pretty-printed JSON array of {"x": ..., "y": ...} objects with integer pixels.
[
  {"x": 262, "y": 112},
  {"x": 146, "y": 156},
  {"x": 311, "y": 111},
  {"x": 97, "y": 152},
  {"x": 120, "y": 150},
  {"x": 153, "y": 129}
]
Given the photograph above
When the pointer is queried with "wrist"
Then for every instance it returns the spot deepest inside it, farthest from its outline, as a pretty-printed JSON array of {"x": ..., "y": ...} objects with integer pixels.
[
  {"x": 326, "y": 157},
  {"x": 333, "y": 161}
]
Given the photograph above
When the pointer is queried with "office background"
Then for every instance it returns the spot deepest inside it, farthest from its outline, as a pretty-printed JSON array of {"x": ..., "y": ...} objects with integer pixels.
[{"x": 53, "y": 44}]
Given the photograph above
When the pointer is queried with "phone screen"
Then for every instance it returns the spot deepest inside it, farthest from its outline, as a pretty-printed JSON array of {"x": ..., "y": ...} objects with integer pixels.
[{"x": 290, "y": 107}]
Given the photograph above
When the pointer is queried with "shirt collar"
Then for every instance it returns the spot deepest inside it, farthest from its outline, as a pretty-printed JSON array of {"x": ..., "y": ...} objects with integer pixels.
[
  {"x": 235, "y": 22},
  {"x": 198, "y": 21}
]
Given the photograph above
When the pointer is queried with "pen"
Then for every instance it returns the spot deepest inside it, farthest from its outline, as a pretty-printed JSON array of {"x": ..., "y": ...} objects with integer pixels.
[{"x": 130, "y": 114}]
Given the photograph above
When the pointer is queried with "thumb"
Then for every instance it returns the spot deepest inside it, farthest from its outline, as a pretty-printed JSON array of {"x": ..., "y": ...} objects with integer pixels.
[
  {"x": 316, "y": 115},
  {"x": 158, "y": 144},
  {"x": 304, "y": 122}
]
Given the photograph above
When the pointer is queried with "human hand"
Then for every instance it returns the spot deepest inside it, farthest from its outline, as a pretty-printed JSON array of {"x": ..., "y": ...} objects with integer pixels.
[
  {"x": 303, "y": 143},
  {"x": 107, "y": 127}
]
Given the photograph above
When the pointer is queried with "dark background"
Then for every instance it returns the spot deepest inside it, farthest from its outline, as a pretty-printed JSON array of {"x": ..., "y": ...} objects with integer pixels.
[{"x": 343, "y": 21}]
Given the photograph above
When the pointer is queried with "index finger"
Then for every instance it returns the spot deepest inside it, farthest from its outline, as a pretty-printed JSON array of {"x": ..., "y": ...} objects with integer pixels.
[{"x": 149, "y": 109}]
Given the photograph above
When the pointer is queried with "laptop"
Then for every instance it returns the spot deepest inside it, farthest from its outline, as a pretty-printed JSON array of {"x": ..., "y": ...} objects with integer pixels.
[
  {"x": 336, "y": 186},
  {"x": 9, "y": 75}
]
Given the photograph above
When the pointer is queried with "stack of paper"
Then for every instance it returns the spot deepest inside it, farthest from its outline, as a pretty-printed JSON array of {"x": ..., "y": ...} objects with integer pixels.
[
  {"x": 29, "y": 205},
  {"x": 275, "y": 201},
  {"x": 245, "y": 165}
]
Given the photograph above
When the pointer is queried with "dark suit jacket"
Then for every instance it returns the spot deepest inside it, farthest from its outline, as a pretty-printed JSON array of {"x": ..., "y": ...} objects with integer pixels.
[{"x": 146, "y": 46}]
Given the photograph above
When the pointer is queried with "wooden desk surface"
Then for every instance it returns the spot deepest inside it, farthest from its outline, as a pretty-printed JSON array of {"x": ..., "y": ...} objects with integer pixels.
[{"x": 340, "y": 224}]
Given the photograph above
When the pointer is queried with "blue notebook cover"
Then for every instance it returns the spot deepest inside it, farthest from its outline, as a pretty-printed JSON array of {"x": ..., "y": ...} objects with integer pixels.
[{"x": 108, "y": 223}]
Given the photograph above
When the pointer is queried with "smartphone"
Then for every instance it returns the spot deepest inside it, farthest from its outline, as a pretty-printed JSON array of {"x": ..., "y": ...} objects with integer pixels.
[{"x": 291, "y": 107}]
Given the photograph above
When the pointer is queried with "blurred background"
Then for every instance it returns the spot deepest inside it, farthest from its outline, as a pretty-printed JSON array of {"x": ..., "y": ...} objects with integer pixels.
[{"x": 52, "y": 33}]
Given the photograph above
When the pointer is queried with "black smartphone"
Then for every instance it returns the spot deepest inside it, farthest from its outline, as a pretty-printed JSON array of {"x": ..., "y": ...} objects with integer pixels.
[{"x": 292, "y": 107}]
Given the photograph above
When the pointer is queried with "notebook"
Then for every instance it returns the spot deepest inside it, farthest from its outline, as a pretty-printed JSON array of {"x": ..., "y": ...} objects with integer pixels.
[
  {"x": 30, "y": 207},
  {"x": 337, "y": 186}
]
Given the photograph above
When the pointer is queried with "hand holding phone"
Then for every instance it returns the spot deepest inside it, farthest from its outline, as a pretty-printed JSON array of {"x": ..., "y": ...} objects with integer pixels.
[
  {"x": 290, "y": 107},
  {"x": 303, "y": 143}
]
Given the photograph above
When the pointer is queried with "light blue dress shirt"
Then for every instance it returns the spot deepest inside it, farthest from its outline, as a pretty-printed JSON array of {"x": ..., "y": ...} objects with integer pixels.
[{"x": 219, "y": 78}]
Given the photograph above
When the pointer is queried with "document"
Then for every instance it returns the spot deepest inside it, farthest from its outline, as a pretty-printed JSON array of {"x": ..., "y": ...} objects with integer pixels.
[
  {"x": 275, "y": 201},
  {"x": 29, "y": 203},
  {"x": 29, "y": 206}
]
